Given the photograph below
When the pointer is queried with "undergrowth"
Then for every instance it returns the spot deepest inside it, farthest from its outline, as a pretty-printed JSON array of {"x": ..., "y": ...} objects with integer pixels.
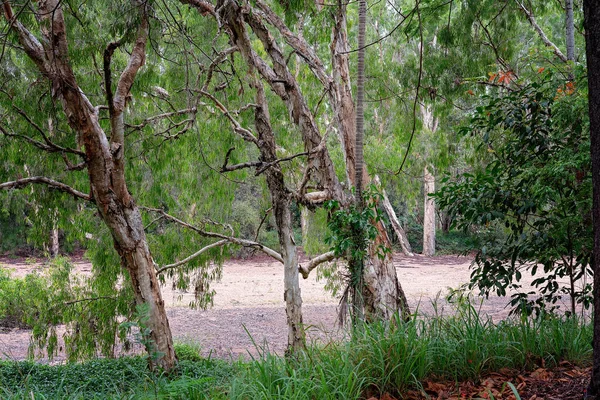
[{"x": 383, "y": 357}]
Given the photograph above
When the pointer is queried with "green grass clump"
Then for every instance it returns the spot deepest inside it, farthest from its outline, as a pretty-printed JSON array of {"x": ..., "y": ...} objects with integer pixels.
[{"x": 391, "y": 357}]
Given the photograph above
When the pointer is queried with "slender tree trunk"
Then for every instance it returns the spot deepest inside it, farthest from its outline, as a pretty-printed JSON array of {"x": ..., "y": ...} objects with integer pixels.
[
  {"x": 398, "y": 230},
  {"x": 281, "y": 201},
  {"x": 591, "y": 9},
  {"x": 428, "y": 214}
]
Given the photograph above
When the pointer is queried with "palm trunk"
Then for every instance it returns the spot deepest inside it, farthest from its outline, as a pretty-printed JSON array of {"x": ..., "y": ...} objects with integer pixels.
[{"x": 383, "y": 295}]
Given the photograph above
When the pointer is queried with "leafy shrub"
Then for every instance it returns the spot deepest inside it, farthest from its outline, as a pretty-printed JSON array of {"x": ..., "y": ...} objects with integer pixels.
[{"x": 187, "y": 351}]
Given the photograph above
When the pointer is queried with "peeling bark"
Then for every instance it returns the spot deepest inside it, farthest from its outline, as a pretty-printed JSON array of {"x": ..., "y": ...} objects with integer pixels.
[{"x": 104, "y": 164}]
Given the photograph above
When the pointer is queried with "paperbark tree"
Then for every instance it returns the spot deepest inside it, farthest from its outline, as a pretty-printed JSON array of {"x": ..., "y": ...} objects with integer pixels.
[
  {"x": 383, "y": 294},
  {"x": 102, "y": 157},
  {"x": 591, "y": 9}
]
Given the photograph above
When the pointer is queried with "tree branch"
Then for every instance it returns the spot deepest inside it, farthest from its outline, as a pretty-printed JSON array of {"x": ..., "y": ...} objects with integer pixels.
[
  {"x": 315, "y": 262},
  {"x": 30, "y": 43},
  {"x": 540, "y": 32},
  {"x": 193, "y": 256},
  {"x": 48, "y": 145},
  {"x": 242, "y": 242},
  {"x": 20, "y": 183},
  {"x": 243, "y": 132}
]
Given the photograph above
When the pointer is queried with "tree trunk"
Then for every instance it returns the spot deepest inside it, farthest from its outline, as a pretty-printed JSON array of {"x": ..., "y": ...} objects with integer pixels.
[
  {"x": 383, "y": 294},
  {"x": 104, "y": 163},
  {"x": 281, "y": 201},
  {"x": 428, "y": 214},
  {"x": 591, "y": 9},
  {"x": 54, "y": 244}
]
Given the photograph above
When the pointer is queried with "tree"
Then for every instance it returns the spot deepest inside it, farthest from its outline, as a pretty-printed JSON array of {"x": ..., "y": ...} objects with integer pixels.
[
  {"x": 383, "y": 294},
  {"x": 591, "y": 10},
  {"x": 102, "y": 156},
  {"x": 534, "y": 192}
]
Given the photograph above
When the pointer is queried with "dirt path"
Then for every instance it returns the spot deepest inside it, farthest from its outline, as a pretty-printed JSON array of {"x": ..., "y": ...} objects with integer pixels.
[{"x": 249, "y": 300}]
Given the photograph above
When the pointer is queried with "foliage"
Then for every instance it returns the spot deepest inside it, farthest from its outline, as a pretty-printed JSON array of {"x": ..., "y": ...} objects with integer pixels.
[
  {"x": 536, "y": 186},
  {"x": 383, "y": 357},
  {"x": 55, "y": 296},
  {"x": 187, "y": 351}
]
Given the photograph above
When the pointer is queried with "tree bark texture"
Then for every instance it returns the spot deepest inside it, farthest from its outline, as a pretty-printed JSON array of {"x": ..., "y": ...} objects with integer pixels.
[
  {"x": 106, "y": 173},
  {"x": 281, "y": 201},
  {"x": 282, "y": 82},
  {"x": 428, "y": 214},
  {"x": 591, "y": 9}
]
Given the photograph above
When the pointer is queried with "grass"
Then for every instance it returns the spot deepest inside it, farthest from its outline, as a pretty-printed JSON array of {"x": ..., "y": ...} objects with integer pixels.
[{"x": 383, "y": 357}]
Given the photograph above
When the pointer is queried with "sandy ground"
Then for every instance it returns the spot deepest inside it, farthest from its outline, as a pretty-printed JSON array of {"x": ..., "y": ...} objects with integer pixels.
[{"x": 249, "y": 309}]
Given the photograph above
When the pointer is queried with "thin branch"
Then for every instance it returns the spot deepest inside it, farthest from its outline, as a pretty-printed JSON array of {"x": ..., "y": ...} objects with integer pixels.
[
  {"x": 279, "y": 160},
  {"x": 20, "y": 183},
  {"x": 315, "y": 262},
  {"x": 49, "y": 145},
  {"x": 159, "y": 117},
  {"x": 540, "y": 32},
  {"x": 242, "y": 242},
  {"x": 262, "y": 221},
  {"x": 420, "y": 76},
  {"x": 193, "y": 256},
  {"x": 244, "y": 133}
]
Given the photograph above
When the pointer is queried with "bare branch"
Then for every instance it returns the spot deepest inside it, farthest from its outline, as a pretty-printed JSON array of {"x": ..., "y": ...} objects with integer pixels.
[
  {"x": 204, "y": 7},
  {"x": 540, "y": 32},
  {"x": 193, "y": 256},
  {"x": 218, "y": 59},
  {"x": 20, "y": 183},
  {"x": 298, "y": 43},
  {"x": 242, "y": 242},
  {"x": 243, "y": 132},
  {"x": 136, "y": 61},
  {"x": 279, "y": 160},
  {"x": 159, "y": 117},
  {"x": 315, "y": 262},
  {"x": 49, "y": 146}
]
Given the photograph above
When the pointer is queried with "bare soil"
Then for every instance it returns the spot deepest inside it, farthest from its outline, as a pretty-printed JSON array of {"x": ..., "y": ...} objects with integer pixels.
[{"x": 249, "y": 310}]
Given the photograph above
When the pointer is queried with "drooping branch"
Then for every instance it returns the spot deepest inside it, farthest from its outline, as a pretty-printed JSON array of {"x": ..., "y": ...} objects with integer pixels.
[
  {"x": 231, "y": 239},
  {"x": 315, "y": 262},
  {"x": 540, "y": 32},
  {"x": 47, "y": 145},
  {"x": 193, "y": 256},
  {"x": 20, "y": 183}
]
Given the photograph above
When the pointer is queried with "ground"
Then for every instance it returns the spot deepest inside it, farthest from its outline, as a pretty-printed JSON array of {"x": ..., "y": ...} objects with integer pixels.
[
  {"x": 249, "y": 312},
  {"x": 249, "y": 308}
]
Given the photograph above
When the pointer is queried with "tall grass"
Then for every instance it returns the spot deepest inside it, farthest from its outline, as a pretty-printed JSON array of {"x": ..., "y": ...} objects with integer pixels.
[{"x": 382, "y": 357}]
